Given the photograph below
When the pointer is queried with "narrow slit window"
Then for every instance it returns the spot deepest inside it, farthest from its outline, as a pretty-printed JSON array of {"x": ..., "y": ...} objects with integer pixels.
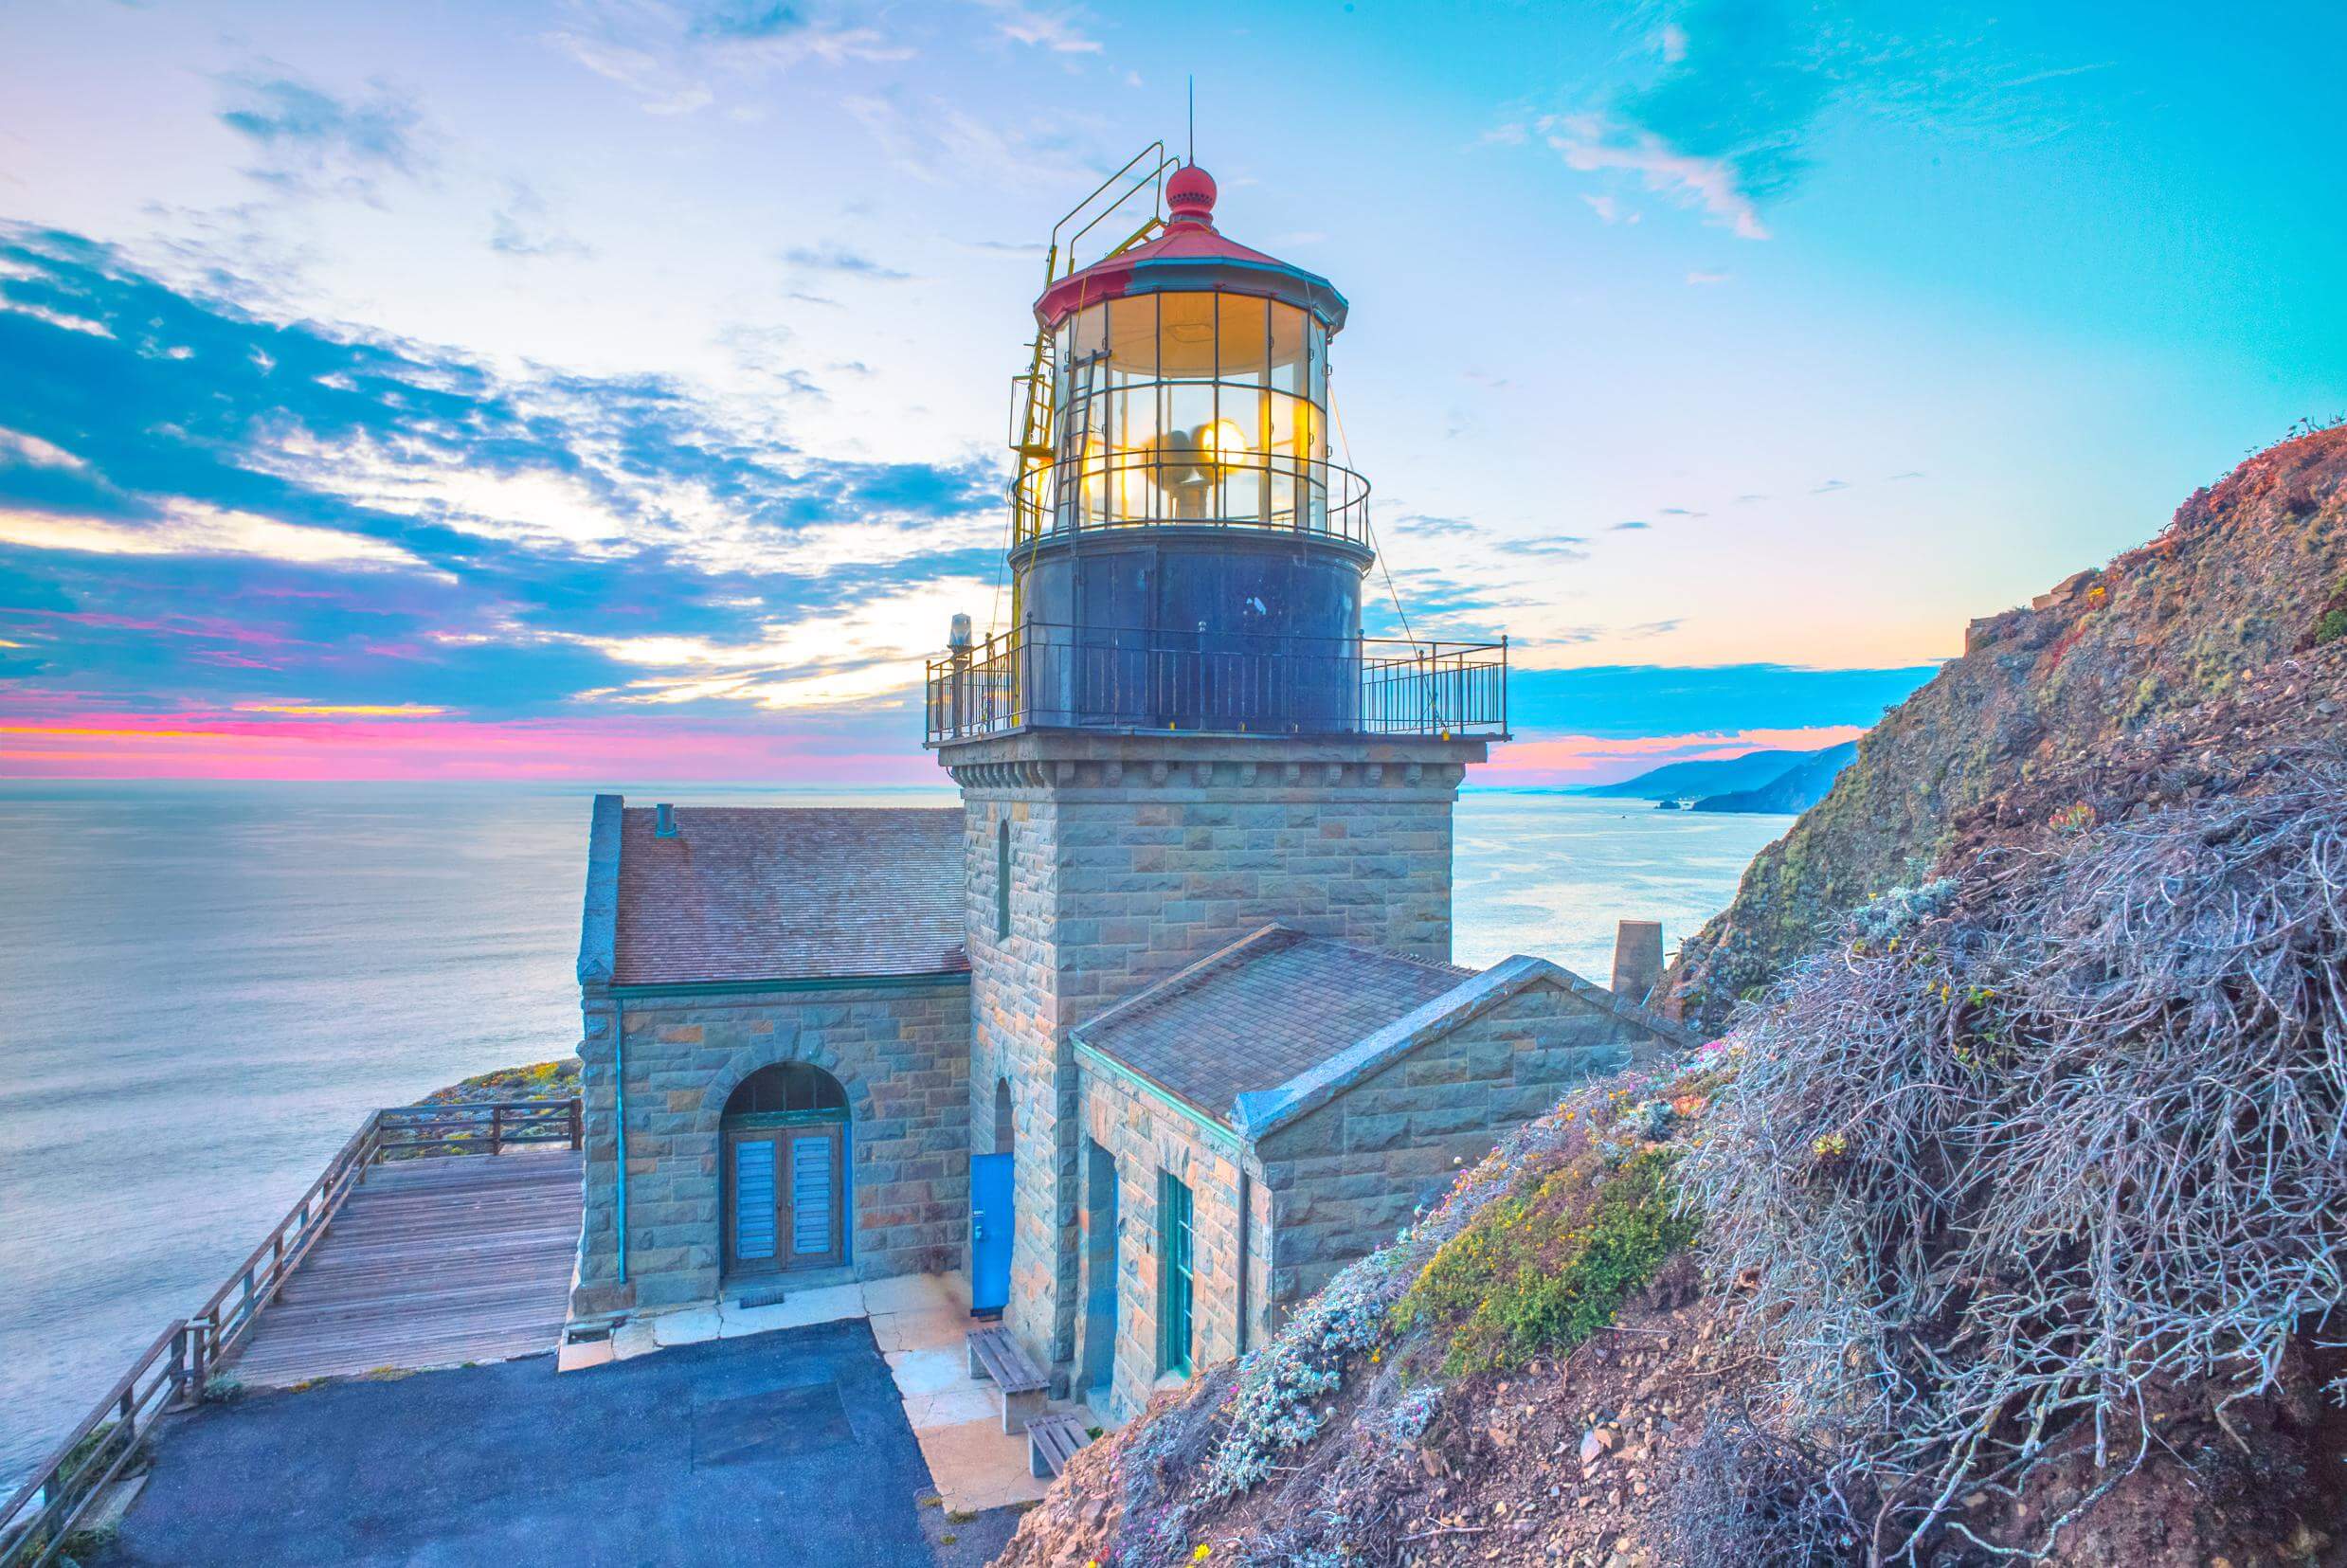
[
  {"x": 1173, "y": 1275},
  {"x": 1001, "y": 879}
]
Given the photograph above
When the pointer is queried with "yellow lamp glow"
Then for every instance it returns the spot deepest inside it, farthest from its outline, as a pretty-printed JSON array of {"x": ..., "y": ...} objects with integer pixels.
[{"x": 1220, "y": 443}]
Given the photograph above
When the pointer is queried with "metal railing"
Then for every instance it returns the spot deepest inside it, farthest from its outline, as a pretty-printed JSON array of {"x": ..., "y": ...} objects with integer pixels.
[
  {"x": 45, "y": 1512},
  {"x": 1250, "y": 490},
  {"x": 1043, "y": 677}
]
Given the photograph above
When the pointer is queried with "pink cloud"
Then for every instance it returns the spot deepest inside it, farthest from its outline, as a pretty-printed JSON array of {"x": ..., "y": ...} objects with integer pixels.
[
  {"x": 1569, "y": 759},
  {"x": 111, "y": 744}
]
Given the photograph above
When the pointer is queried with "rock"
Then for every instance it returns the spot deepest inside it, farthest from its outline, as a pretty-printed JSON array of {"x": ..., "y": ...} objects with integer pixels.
[{"x": 1597, "y": 1442}]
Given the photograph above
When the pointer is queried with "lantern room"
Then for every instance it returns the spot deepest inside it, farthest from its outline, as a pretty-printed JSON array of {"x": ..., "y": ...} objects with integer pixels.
[
  {"x": 1188, "y": 383},
  {"x": 1185, "y": 553}
]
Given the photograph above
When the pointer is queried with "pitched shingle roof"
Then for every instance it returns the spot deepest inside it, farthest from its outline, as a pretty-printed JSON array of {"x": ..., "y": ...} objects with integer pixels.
[
  {"x": 1261, "y": 1011},
  {"x": 765, "y": 893}
]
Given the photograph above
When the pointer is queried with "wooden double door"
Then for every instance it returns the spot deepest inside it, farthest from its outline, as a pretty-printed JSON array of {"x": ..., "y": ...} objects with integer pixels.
[{"x": 786, "y": 1197}]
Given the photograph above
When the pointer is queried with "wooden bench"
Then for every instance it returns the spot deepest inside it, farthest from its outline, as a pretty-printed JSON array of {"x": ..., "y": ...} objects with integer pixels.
[
  {"x": 994, "y": 1355},
  {"x": 1052, "y": 1441}
]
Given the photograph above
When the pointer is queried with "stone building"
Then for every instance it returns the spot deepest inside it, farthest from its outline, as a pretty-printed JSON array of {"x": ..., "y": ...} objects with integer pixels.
[
  {"x": 1159, "y": 1027},
  {"x": 776, "y": 1003}
]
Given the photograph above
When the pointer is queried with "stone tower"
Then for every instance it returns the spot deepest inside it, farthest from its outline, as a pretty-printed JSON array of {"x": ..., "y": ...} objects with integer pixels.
[{"x": 1182, "y": 736}]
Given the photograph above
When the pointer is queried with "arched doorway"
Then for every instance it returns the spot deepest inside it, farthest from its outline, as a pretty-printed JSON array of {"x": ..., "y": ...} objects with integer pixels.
[{"x": 785, "y": 1171}]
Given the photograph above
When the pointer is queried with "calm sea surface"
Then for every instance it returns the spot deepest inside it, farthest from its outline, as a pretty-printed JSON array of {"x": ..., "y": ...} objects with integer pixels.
[{"x": 204, "y": 988}]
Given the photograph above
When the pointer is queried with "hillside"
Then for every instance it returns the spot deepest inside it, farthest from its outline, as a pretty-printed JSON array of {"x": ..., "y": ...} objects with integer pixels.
[
  {"x": 2250, "y": 570},
  {"x": 2006, "y": 1223},
  {"x": 1793, "y": 791},
  {"x": 1708, "y": 776}
]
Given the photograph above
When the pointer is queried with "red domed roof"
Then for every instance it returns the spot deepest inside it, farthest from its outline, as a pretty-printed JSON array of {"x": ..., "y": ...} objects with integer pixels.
[
  {"x": 1191, "y": 254},
  {"x": 1190, "y": 195}
]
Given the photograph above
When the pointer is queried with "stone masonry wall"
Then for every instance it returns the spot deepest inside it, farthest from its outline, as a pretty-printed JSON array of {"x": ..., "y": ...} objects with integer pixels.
[
  {"x": 1345, "y": 1177},
  {"x": 1145, "y": 1136},
  {"x": 902, "y": 1053},
  {"x": 1132, "y": 855}
]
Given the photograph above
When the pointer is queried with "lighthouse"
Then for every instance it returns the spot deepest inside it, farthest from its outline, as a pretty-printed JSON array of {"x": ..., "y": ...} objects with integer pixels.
[
  {"x": 1178, "y": 734},
  {"x": 1161, "y": 1027}
]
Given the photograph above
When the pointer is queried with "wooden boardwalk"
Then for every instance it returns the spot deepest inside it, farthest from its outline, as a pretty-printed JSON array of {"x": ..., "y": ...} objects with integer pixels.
[{"x": 428, "y": 1263}]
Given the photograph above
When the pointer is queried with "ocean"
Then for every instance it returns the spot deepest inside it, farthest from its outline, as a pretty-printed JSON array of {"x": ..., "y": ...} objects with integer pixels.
[{"x": 204, "y": 988}]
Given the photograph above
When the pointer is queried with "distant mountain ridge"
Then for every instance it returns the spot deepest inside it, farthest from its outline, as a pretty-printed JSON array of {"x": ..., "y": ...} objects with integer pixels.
[
  {"x": 1695, "y": 780},
  {"x": 1793, "y": 791},
  {"x": 1788, "y": 781}
]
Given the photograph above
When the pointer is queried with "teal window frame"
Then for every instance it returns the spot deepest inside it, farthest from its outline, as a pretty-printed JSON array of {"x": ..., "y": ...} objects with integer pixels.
[
  {"x": 1175, "y": 1292},
  {"x": 1001, "y": 879}
]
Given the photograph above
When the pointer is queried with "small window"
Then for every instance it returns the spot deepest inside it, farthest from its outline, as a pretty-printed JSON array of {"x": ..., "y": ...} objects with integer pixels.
[
  {"x": 1002, "y": 879},
  {"x": 1173, "y": 1275}
]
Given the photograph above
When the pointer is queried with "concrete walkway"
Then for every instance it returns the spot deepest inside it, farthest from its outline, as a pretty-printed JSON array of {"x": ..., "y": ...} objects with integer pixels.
[
  {"x": 789, "y": 1446},
  {"x": 919, "y": 1322}
]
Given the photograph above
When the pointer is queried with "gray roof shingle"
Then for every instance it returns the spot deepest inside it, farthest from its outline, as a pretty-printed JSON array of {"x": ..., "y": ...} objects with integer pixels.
[
  {"x": 1260, "y": 1012},
  {"x": 767, "y": 892}
]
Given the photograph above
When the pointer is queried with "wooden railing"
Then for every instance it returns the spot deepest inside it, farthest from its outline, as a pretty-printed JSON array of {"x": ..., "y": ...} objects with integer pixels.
[
  {"x": 48, "y": 1507},
  {"x": 485, "y": 1127}
]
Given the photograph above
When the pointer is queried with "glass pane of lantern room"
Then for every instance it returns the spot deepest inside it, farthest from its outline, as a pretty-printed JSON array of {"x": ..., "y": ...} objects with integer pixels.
[
  {"x": 1240, "y": 338},
  {"x": 1185, "y": 358},
  {"x": 1133, "y": 419},
  {"x": 1241, "y": 342},
  {"x": 1186, "y": 335},
  {"x": 1286, "y": 462},
  {"x": 1287, "y": 348}
]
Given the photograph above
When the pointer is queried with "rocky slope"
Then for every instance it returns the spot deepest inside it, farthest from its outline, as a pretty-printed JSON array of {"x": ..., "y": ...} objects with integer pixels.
[
  {"x": 2250, "y": 570},
  {"x": 2006, "y": 1225}
]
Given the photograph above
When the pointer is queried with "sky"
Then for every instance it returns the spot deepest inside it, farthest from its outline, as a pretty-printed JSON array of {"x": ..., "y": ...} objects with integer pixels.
[{"x": 615, "y": 389}]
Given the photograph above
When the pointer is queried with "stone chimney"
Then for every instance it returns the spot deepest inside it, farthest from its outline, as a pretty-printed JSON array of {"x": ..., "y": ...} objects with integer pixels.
[{"x": 1638, "y": 959}]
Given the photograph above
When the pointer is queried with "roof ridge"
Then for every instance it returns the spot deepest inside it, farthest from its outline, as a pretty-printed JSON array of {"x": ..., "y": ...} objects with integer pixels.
[
  {"x": 1409, "y": 959},
  {"x": 1260, "y": 1111},
  {"x": 1275, "y": 937}
]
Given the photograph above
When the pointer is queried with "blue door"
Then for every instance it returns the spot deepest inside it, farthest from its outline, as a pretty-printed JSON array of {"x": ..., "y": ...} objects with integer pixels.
[{"x": 990, "y": 1231}]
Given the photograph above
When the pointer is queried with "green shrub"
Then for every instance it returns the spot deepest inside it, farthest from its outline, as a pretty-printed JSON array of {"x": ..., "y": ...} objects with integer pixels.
[
  {"x": 2332, "y": 626},
  {"x": 1542, "y": 1271}
]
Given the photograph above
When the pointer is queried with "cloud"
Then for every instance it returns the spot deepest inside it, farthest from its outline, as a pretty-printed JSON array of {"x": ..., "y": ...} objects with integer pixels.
[
  {"x": 187, "y": 528},
  {"x": 1680, "y": 512},
  {"x": 1829, "y": 486},
  {"x": 1437, "y": 528},
  {"x": 395, "y": 522},
  {"x": 1699, "y": 280},
  {"x": 1575, "y": 760},
  {"x": 1628, "y": 527},
  {"x": 1592, "y": 144},
  {"x": 1910, "y": 473},
  {"x": 314, "y": 142},
  {"x": 744, "y": 19},
  {"x": 32, "y": 451},
  {"x": 938, "y": 142},
  {"x": 840, "y": 260},
  {"x": 300, "y": 709},
  {"x": 1056, "y": 31},
  {"x": 522, "y": 225},
  {"x": 1559, "y": 547},
  {"x": 675, "y": 58}
]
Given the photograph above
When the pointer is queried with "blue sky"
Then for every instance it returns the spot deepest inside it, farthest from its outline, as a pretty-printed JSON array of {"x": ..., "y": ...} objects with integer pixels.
[{"x": 558, "y": 390}]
